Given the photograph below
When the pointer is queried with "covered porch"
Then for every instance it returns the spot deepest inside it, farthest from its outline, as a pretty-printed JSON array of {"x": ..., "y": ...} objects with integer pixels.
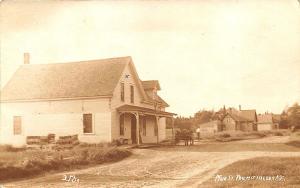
[{"x": 143, "y": 125}]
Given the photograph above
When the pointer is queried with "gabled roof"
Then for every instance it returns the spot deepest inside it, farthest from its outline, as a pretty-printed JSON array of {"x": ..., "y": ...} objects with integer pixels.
[
  {"x": 83, "y": 79},
  {"x": 276, "y": 118},
  {"x": 264, "y": 118},
  {"x": 65, "y": 80},
  {"x": 157, "y": 100},
  {"x": 236, "y": 117},
  {"x": 162, "y": 101},
  {"x": 248, "y": 114},
  {"x": 151, "y": 84}
]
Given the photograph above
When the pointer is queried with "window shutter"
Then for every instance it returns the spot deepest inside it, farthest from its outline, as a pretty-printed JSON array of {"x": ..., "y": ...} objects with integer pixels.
[
  {"x": 87, "y": 123},
  {"x": 17, "y": 125}
]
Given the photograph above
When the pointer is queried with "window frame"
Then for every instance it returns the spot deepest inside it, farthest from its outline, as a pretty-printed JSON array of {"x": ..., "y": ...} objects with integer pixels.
[
  {"x": 92, "y": 124},
  {"x": 15, "y": 132}
]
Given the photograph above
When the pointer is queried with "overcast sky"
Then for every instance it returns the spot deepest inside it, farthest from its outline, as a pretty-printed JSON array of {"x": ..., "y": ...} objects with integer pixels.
[{"x": 205, "y": 54}]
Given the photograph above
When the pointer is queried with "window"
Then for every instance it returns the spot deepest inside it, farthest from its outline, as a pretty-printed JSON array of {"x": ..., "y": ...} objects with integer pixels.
[
  {"x": 87, "y": 123},
  {"x": 122, "y": 119},
  {"x": 144, "y": 126},
  {"x": 131, "y": 94},
  {"x": 17, "y": 125},
  {"x": 122, "y": 92}
]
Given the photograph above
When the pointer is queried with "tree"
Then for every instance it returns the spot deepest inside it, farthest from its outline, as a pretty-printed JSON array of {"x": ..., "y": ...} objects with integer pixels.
[
  {"x": 183, "y": 123},
  {"x": 283, "y": 123},
  {"x": 203, "y": 117},
  {"x": 293, "y": 117}
]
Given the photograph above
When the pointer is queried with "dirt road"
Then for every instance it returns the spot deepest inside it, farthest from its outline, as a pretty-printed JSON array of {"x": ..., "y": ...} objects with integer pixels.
[{"x": 150, "y": 168}]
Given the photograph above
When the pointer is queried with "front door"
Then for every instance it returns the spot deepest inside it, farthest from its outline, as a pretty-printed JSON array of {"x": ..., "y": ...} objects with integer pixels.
[{"x": 133, "y": 129}]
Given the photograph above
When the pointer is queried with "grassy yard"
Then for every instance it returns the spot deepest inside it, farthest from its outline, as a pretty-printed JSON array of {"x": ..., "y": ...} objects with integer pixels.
[
  {"x": 232, "y": 147},
  {"x": 227, "y": 136},
  {"x": 21, "y": 163},
  {"x": 285, "y": 169},
  {"x": 295, "y": 136}
]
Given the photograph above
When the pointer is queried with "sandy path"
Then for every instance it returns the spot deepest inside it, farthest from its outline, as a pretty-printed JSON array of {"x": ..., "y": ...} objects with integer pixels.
[{"x": 150, "y": 168}]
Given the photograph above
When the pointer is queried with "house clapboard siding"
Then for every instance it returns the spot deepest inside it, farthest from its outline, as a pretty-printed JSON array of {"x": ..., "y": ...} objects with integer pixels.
[
  {"x": 58, "y": 117},
  {"x": 57, "y": 102}
]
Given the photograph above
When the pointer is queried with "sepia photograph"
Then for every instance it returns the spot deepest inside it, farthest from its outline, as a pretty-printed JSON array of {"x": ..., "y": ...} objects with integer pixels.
[{"x": 154, "y": 94}]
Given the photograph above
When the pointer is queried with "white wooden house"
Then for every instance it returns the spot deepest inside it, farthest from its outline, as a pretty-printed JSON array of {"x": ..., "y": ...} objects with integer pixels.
[
  {"x": 266, "y": 122},
  {"x": 210, "y": 128},
  {"x": 99, "y": 100}
]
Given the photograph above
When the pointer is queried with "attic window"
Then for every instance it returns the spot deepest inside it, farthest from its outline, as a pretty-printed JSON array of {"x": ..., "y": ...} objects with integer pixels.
[
  {"x": 87, "y": 123},
  {"x": 122, "y": 92}
]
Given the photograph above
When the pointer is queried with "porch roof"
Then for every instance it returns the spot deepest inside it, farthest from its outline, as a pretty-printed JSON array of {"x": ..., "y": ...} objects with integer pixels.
[{"x": 131, "y": 108}]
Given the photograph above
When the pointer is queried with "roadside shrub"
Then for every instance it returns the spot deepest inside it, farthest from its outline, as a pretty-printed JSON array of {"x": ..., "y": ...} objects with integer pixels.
[
  {"x": 238, "y": 135},
  {"x": 297, "y": 133},
  {"x": 258, "y": 134},
  {"x": 295, "y": 143},
  {"x": 278, "y": 134},
  {"x": 107, "y": 155},
  {"x": 224, "y": 135},
  {"x": 116, "y": 142},
  {"x": 83, "y": 144},
  {"x": 31, "y": 163},
  {"x": 10, "y": 148}
]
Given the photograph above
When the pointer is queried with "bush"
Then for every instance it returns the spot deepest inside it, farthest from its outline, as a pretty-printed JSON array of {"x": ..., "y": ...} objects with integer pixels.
[
  {"x": 224, "y": 135},
  {"x": 116, "y": 142},
  {"x": 258, "y": 134},
  {"x": 31, "y": 163},
  {"x": 294, "y": 143},
  {"x": 10, "y": 148},
  {"x": 297, "y": 133},
  {"x": 278, "y": 134}
]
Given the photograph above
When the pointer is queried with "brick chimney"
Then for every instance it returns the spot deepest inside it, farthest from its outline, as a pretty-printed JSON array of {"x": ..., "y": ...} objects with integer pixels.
[{"x": 26, "y": 58}]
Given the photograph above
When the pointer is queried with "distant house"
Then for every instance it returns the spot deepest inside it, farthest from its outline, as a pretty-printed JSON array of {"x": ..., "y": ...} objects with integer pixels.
[
  {"x": 210, "y": 127},
  {"x": 267, "y": 122},
  {"x": 276, "y": 120},
  {"x": 242, "y": 120},
  {"x": 98, "y": 100}
]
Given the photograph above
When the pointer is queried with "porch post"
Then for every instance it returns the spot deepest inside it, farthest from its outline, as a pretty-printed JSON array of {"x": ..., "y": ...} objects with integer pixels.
[
  {"x": 173, "y": 136},
  {"x": 156, "y": 117},
  {"x": 137, "y": 128}
]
